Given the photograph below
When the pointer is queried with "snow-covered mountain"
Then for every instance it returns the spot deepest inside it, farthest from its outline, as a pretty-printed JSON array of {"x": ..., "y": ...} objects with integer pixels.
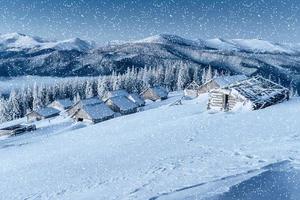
[
  {"x": 24, "y": 55},
  {"x": 18, "y": 42},
  {"x": 163, "y": 153}
]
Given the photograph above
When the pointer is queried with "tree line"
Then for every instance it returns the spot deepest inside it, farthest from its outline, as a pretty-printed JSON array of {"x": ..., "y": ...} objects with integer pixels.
[{"x": 174, "y": 77}]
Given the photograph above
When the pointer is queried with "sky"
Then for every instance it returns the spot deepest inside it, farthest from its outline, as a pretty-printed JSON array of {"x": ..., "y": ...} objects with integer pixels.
[{"x": 107, "y": 20}]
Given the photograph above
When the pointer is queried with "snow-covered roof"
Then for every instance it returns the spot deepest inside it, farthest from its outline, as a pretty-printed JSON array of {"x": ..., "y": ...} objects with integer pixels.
[
  {"x": 136, "y": 99},
  {"x": 115, "y": 93},
  {"x": 48, "y": 111},
  {"x": 66, "y": 103},
  {"x": 223, "y": 81},
  {"x": 91, "y": 101},
  {"x": 98, "y": 111},
  {"x": 160, "y": 91},
  {"x": 123, "y": 103},
  {"x": 260, "y": 91}
]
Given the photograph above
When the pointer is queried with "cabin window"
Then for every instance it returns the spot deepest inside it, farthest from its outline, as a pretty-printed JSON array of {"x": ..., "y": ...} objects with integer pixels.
[{"x": 80, "y": 119}]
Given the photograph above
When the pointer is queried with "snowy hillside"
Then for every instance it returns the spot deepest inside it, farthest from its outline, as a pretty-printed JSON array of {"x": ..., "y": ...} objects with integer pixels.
[{"x": 165, "y": 152}]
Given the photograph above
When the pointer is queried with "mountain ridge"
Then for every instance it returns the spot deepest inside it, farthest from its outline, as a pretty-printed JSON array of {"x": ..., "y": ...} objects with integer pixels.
[{"x": 76, "y": 57}]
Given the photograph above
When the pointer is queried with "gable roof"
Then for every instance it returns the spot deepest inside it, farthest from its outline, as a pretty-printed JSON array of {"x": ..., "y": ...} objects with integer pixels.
[
  {"x": 91, "y": 101},
  {"x": 98, "y": 111},
  {"x": 223, "y": 81},
  {"x": 160, "y": 91},
  {"x": 136, "y": 99},
  {"x": 66, "y": 103},
  {"x": 48, "y": 111},
  {"x": 123, "y": 103},
  {"x": 260, "y": 91},
  {"x": 115, "y": 93}
]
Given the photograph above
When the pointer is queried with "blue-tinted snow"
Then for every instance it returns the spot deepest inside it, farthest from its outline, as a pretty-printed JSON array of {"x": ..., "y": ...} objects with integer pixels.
[
  {"x": 123, "y": 103},
  {"x": 48, "y": 111},
  {"x": 228, "y": 80},
  {"x": 136, "y": 99},
  {"x": 98, "y": 111},
  {"x": 66, "y": 103}
]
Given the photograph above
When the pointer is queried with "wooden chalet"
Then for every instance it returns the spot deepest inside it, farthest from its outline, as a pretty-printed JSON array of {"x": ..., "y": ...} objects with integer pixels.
[
  {"x": 155, "y": 93},
  {"x": 61, "y": 104},
  {"x": 192, "y": 90},
  {"x": 43, "y": 113},
  {"x": 121, "y": 104},
  {"x": 254, "y": 93},
  {"x": 94, "y": 113},
  {"x": 219, "y": 82},
  {"x": 90, "y": 110}
]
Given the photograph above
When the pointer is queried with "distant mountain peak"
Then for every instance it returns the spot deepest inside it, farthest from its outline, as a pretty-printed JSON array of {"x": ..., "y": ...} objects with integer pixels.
[{"x": 18, "y": 41}]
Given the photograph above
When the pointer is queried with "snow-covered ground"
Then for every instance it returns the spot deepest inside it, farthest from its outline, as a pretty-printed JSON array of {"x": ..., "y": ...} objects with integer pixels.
[{"x": 164, "y": 152}]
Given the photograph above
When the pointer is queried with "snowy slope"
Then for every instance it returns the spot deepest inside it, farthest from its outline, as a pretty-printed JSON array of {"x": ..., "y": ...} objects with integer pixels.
[{"x": 165, "y": 152}]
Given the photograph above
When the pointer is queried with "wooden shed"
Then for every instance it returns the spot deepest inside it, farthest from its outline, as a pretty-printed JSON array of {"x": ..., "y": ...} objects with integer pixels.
[
  {"x": 61, "y": 104},
  {"x": 254, "y": 93},
  {"x": 94, "y": 113},
  {"x": 121, "y": 104},
  {"x": 219, "y": 82},
  {"x": 43, "y": 113},
  {"x": 155, "y": 93},
  {"x": 192, "y": 90}
]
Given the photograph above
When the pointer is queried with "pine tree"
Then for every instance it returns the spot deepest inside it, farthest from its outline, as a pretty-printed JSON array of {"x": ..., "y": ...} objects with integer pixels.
[
  {"x": 209, "y": 74},
  {"x": 195, "y": 76},
  {"x": 203, "y": 76},
  {"x": 88, "y": 90},
  {"x": 101, "y": 87},
  {"x": 183, "y": 77},
  {"x": 14, "y": 105},
  {"x": 3, "y": 110},
  {"x": 36, "y": 102}
]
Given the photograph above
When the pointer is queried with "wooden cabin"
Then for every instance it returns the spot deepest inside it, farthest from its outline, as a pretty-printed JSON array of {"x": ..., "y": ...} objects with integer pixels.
[
  {"x": 43, "y": 113},
  {"x": 192, "y": 90},
  {"x": 254, "y": 93},
  {"x": 16, "y": 129},
  {"x": 220, "y": 82},
  {"x": 155, "y": 93},
  {"x": 115, "y": 93},
  {"x": 79, "y": 104},
  {"x": 94, "y": 113},
  {"x": 61, "y": 104},
  {"x": 91, "y": 110},
  {"x": 137, "y": 99},
  {"x": 121, "y": 104}
]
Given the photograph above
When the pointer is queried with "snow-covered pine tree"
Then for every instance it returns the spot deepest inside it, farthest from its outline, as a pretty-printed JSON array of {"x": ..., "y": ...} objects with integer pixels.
[
  {"x": 203, "y": 76},
  {"x": 88, "y": 90},
  {"x": 14, "y": 105},
  {"x": 196, "y": 75},
  {"x": 3, "y": 110},
  {"x": 183, "y": 77},
  {"x": 101, "y": 88},
  {"x": 209, "y": 74},
  {"x": 36, "y": 102}
]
